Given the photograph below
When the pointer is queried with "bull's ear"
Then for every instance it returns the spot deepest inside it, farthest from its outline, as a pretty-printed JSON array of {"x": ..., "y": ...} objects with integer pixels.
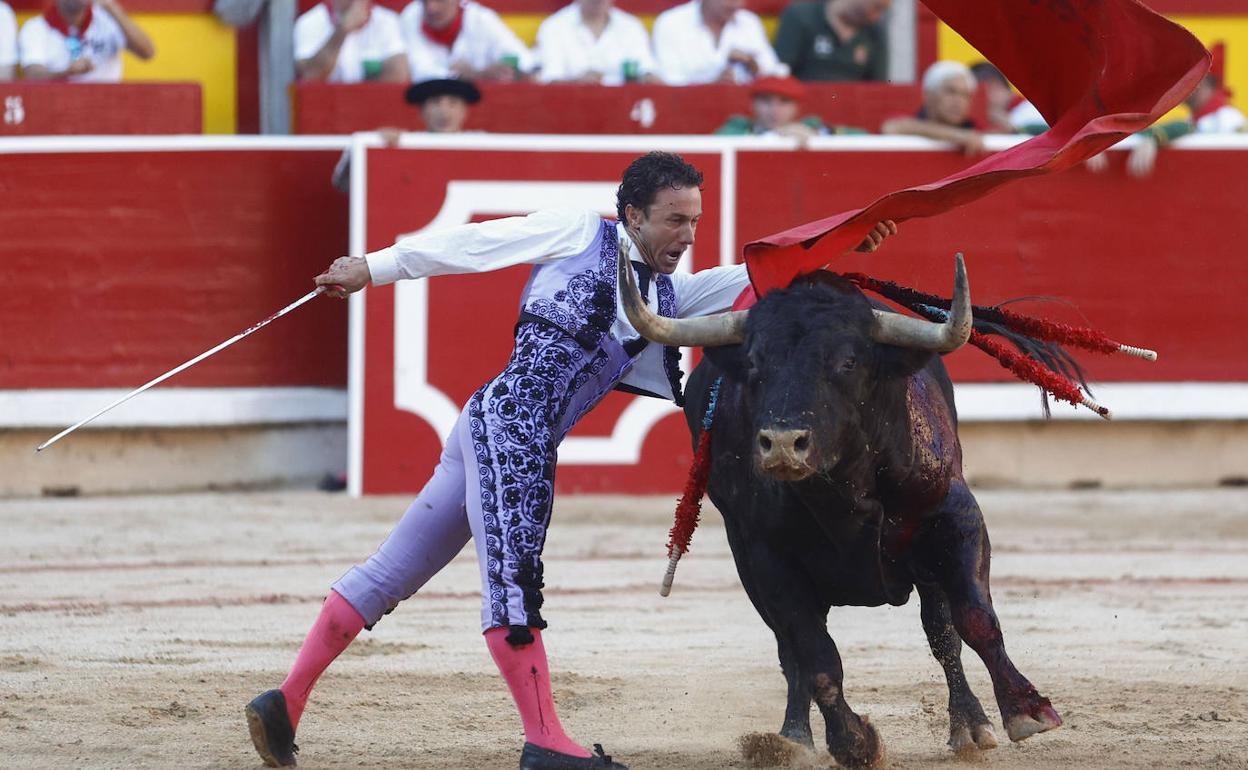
[
  {"x": 730, "y": 360},
  {"x": 902, "y": 362}
]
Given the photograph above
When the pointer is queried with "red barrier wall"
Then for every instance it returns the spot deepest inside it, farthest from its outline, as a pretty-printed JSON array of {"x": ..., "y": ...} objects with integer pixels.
[
  {"x": 131, "y": 263},
  {"x": 531, "y": 108},
  {"x": 1134, "y": 258},
  {"x": 32, "y": 109}
]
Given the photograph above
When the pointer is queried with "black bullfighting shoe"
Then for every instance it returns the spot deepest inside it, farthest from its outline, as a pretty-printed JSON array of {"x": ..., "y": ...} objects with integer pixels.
[
  {"x": 537, "y": 758},
  {"x": 271, "y": 732}
]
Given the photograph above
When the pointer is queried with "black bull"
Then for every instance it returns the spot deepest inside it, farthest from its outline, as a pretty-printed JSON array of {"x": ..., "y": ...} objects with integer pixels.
[{"x": 837, "y": 468}]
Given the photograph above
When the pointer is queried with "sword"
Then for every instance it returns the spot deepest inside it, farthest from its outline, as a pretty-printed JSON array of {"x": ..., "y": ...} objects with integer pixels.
[{"x": 256, "y": 327}]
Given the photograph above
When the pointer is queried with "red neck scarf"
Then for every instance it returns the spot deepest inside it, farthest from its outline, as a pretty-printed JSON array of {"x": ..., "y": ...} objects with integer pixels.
[
  {"x": 446, "y": 36},
  {"x": 1220, "y": 99},
  {"x": 57, "y": 22}
]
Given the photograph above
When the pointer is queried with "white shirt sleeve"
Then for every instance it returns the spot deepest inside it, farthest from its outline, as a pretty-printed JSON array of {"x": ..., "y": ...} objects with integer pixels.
[
  {"x": 670, "y": 48},
  {"x": 8, "y": 36},
  {"x": 551, "y": 46},
  {"x": 309, "y": 36},
  {"x": 709, "y": 291},
  {"x": 640, "y": 48},
  {"x": 33, "y": 43},
  {"x": 764, "y": 55},
  {"x": 389, "y": 36},
  {"x": 540, "y": 237},
  {"x": 506, "y": 42}
]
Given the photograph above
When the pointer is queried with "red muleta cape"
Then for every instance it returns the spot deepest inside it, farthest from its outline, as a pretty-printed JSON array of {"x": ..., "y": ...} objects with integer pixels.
[{"x": 1098, "y": 70}]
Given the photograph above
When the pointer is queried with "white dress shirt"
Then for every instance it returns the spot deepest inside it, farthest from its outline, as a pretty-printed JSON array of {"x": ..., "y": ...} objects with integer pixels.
[
  {"x": 102, "y": 43},
  {"x": 8, "y": 36},
  {"x": 373, "y": 43},
  {"x": 482, "y": 42},
  {"x": 688, "y": 53},
  {"x": 568, "y": 50},
  {"x": 547, "y": 236},
  {"x": 1224, "y": 120}
]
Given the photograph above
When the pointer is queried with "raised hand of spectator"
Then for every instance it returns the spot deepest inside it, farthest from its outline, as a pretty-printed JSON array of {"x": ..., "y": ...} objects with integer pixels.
[
  {"x": 355, "y": 17},
  {"x": 797, "y": 130},
  {"x": 971, "y": 142},
  {"x": 1143, "y": 158},
  {"x": 737, "y": 56},
  {"x": 138, "y": 42},
  {"x": 390, "y": 136},
  {"x": 501, "y": 71},
  {"x": 1097, "y": 163}
]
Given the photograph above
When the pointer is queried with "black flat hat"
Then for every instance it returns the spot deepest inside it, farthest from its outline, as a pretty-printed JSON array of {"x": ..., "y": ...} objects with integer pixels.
[{"x": 419, "y": 93}]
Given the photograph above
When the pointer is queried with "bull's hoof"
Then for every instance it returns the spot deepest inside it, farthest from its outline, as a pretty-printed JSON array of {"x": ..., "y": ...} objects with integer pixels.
[
  {"x": 972, "y": 740},
  {"x": 773, "y": 750},
  {"x": 863, "y": 749},
  {"x": 1041, "y": 719}
]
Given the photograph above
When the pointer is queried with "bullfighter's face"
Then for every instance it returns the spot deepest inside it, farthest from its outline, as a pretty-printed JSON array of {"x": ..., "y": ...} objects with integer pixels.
[{"x": 667, "y": 226}]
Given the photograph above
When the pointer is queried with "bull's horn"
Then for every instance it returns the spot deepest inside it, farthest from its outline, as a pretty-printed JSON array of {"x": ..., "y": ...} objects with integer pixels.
[
  {"x": 705, "y": 331},
  {"x": 908, "y": 332}
]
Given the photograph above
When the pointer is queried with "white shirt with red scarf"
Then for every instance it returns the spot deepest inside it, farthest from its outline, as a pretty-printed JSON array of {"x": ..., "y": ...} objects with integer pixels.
[
  {"x": 363, "y": 51},
  {"x": 49, "y": 41},
  {"x": 478, "y": 38}
]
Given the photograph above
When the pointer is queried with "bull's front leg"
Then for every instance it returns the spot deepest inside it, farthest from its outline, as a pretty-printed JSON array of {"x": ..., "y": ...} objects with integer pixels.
[
  {"x": 789, "y": 603},
  {"x": 954, "y": 547},
  {"x": 796, "y": 725},
  {"x": 969, "y": 727}
]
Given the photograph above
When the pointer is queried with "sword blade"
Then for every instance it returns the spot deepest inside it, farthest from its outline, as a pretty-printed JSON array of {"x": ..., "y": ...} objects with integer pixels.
[{"x": 254, "y": 328}]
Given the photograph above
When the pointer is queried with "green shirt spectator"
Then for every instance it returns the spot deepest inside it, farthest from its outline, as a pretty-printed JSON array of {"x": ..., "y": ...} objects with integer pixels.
[
  {"x": 834, "y": 40},
  {"x": 774, "y": 107},
  {"x": 743, "y": 125}
]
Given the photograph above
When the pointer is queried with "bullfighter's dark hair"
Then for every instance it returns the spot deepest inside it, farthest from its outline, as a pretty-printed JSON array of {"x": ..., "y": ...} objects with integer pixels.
[{"x": 650, "y": 173}]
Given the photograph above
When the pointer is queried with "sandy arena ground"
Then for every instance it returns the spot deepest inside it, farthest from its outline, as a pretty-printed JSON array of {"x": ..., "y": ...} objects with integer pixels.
[{"x": 133, "y": 631}]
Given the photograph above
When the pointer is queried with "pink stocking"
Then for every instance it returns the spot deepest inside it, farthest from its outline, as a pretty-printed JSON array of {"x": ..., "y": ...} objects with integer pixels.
[
  {"x": 528, "y": 677},
  {"x": 335, "y": 627}
]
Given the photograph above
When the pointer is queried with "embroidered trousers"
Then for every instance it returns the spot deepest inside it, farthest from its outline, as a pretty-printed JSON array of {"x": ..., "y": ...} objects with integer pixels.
[{"x": 494, "y": 483}]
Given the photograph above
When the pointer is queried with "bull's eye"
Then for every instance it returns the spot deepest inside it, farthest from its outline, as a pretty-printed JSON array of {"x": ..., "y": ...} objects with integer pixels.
[{"x": 848, "y": 364}]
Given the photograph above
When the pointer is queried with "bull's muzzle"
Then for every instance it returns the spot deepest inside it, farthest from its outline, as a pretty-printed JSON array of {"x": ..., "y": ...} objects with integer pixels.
[{"x": 785, "y": 454}]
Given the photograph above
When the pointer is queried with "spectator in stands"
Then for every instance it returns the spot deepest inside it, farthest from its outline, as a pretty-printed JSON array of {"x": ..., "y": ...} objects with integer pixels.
[
  {"x": 1212, "y": 111},
  {"x": 443, "y": 103},
  {"x": 350, "y": 41},
  {"x": 462, "y": 38},
  {"x": 1001, "y": 99},
  {"x": 834, "y": 40},
  {"x": 775, "y": 105},
  {"x": 708, "y": 41},
  {"x": 948, "y": 88},
  {"x": 1013, "y": 113},
  {"x": 590, "y": 41},
  {"x": 8, "y": 42},
  {"x": 443, "y": 106},
  {"x": 80, "y": 41}
]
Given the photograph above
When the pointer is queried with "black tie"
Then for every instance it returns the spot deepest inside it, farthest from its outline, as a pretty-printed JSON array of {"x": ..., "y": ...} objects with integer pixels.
[{"x": 644, "y": 274}]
